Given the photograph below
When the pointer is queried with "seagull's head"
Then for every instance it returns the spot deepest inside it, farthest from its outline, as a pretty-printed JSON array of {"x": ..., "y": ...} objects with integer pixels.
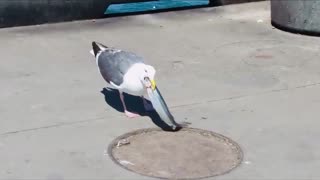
[{"x": 147, "y": 78}]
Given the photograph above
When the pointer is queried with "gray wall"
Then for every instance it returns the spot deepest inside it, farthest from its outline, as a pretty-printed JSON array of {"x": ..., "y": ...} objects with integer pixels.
[
  {"x": 26, "y": 12},
  {"x": 30, "y": 12},
  {"x": 226, "y": 2}
]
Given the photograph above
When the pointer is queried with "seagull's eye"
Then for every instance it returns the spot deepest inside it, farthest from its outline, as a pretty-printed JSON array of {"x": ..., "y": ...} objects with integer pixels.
[{"x": 145, "y": 70}]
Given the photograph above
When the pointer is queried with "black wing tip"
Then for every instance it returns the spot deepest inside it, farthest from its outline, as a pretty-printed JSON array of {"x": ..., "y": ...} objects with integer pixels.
[{"x": 97, "y": 47}]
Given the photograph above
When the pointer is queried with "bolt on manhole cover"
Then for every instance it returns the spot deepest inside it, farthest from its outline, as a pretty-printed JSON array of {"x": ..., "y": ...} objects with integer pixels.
[{"x": 186, "y": 154}]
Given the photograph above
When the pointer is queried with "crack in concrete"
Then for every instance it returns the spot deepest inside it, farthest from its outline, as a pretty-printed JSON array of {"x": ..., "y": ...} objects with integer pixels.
[{"x": 173, "y": 107}]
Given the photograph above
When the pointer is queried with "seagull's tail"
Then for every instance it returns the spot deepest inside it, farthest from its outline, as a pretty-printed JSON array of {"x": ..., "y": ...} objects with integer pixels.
[{"x": 97, "y": 47}]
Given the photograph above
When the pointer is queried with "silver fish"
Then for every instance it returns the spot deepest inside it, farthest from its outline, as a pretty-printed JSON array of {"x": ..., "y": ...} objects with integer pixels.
[{"x": 162, "y": 109}]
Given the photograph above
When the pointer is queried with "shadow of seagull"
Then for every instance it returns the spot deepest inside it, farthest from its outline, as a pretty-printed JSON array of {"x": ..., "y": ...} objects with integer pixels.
[{"x": 134, "y": 104}]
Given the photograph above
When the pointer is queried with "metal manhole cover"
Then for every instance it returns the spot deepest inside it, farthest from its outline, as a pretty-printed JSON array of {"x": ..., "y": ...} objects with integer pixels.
[{"x": 187, "y": 154}]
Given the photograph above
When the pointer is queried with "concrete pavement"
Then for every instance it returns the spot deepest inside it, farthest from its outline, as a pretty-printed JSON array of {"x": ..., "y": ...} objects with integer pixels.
[{"x": 224, "y": 69}]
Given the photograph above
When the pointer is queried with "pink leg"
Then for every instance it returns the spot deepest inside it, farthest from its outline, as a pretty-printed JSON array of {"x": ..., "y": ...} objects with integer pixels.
[{"x": 127, "y": 113}]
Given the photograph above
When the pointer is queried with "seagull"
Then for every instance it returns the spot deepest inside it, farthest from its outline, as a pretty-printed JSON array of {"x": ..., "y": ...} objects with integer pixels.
[{"x": 128, "y": 73}]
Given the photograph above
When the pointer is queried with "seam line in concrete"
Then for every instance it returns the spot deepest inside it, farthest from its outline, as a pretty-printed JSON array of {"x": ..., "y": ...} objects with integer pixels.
[
  {"x": 173, "y": 107},
  {"x": 52, "y": 126},
  {"x": 248, "y": 95}
]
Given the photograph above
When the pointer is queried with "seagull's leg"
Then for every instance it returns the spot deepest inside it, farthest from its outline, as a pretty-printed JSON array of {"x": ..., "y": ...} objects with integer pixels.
[
  {"x": 147, "y": 106},
  {"x": 128, "y": 114}
]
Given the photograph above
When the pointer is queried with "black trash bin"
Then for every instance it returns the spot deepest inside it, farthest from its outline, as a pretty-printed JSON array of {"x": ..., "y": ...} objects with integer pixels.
[{"x": 298, "y": 16}]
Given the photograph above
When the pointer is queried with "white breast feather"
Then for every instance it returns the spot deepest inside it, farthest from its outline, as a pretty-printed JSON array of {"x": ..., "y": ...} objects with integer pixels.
[{"x": 132, "y": 84}]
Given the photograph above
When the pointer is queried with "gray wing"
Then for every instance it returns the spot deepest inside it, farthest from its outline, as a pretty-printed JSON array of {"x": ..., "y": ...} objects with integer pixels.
[{"x": 113, "y": 64}]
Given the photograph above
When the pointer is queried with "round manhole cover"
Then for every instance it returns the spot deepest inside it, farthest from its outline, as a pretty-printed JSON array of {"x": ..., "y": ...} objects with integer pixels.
[{"x": 185, "y": 154}]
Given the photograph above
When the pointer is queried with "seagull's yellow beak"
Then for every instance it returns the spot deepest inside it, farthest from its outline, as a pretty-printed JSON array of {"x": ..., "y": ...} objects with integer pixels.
[{"x": 153, "y": 84}]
